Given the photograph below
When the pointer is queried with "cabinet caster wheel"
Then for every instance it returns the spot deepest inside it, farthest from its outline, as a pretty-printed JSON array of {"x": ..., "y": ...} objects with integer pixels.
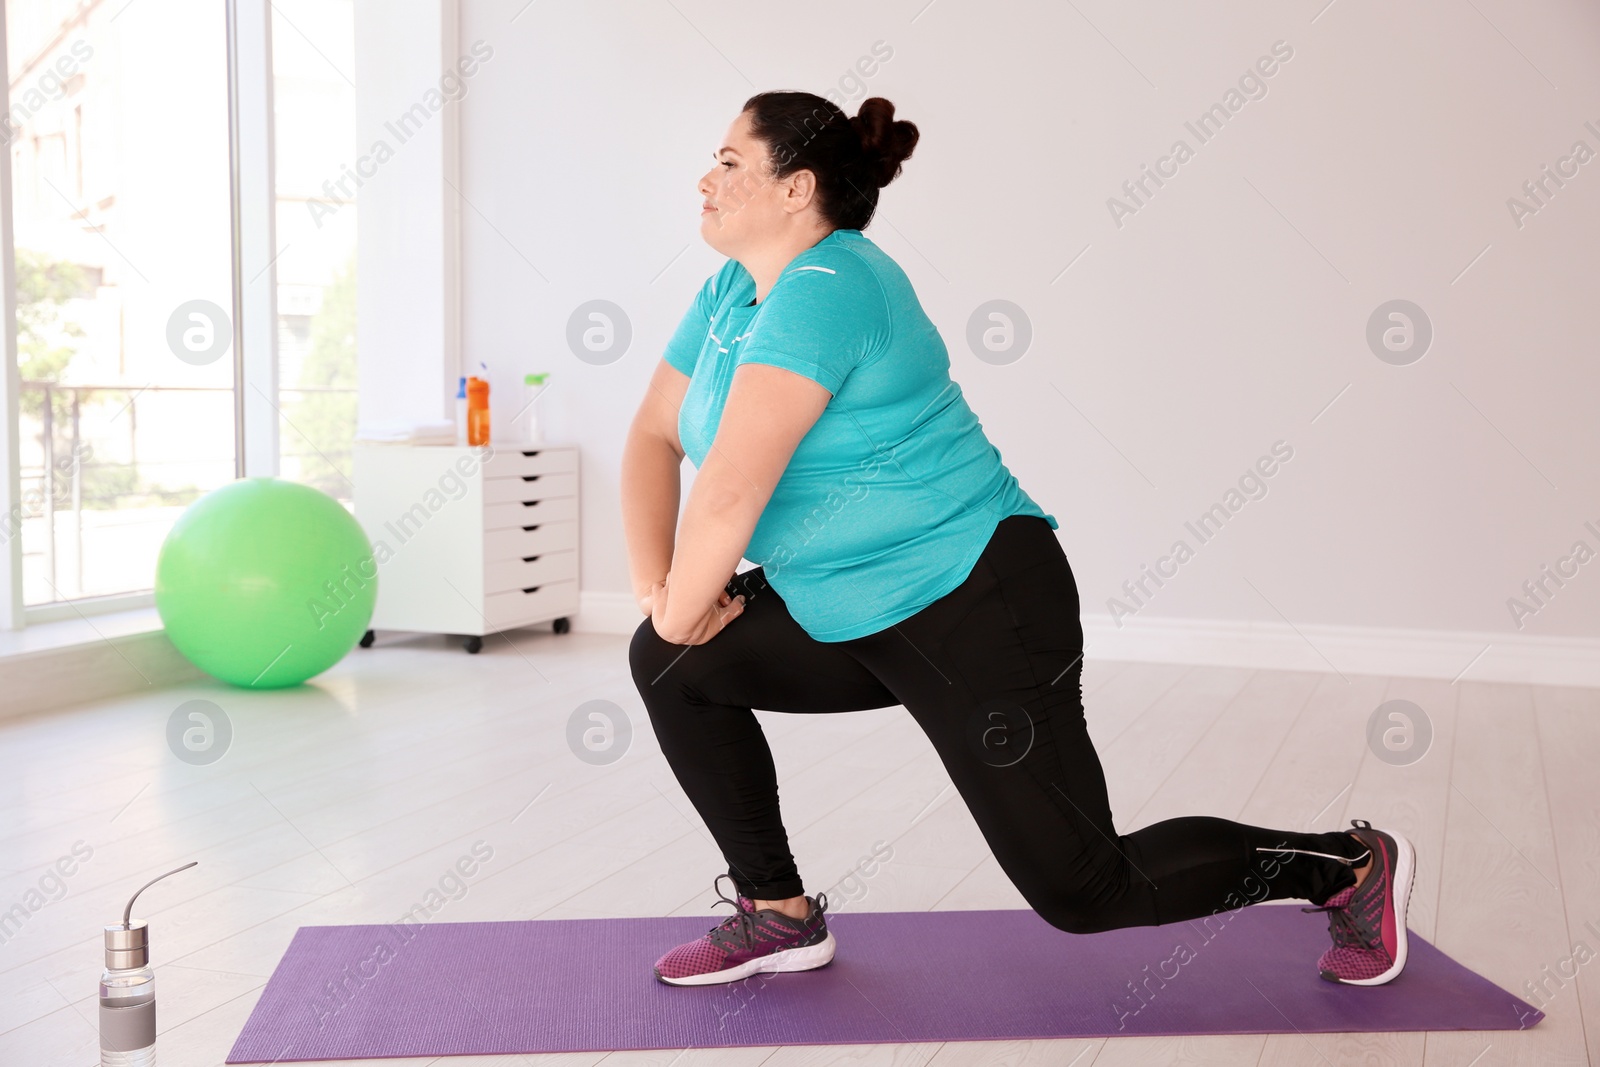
[
  {"x": 562, "y": 625},
  {"x": 473, "y": 645},
  {"x": 367, "y": 638}
]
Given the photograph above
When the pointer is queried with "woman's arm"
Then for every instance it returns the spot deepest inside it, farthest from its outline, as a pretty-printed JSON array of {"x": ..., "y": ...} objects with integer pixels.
[
  {"x": 651, "y": 460},
  {"x": 768, "y": 412}
]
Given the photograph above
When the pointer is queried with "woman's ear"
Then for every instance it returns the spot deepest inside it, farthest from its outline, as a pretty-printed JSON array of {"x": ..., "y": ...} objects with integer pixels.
[{"x": 800, "y": 190}]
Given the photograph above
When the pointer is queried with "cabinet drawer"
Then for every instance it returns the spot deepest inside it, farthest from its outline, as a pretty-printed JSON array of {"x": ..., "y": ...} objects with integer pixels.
[
  {"x": 504, "y": 575},
  {"x": 529, "y": 487},
  {"x": 530, "y": 513},
  {"x": 510, "y": 462},
  {"x": 517, "y": 543},
  {"x": 518, "y": 607}
]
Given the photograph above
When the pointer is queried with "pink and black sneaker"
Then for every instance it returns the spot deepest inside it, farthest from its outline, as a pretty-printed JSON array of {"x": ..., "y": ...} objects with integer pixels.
[
  {"x": 1368, "y": 923},
  {"x": 751, "y": 941}
]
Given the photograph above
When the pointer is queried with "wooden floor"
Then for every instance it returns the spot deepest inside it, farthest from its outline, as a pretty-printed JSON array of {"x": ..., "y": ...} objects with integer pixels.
[{"x": 347, "y": 801}]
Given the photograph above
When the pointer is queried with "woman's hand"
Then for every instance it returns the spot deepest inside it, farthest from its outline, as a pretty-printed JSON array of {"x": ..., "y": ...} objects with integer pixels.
[
  {"x": 703, "y": 629},
  {"x": 646, "y": 599}
]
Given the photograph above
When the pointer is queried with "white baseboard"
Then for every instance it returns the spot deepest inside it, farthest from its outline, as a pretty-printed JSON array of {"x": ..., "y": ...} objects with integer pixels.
[
  {"x": 1449, "y": 654},
  {"x": 45, "y": 679},
  {"x": 1453, "y": 655}
]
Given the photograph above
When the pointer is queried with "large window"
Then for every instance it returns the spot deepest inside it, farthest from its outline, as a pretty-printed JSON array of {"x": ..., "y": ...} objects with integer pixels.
[
  {"x": 313, "y": 62},
  {"x": 118, "y": 131}
]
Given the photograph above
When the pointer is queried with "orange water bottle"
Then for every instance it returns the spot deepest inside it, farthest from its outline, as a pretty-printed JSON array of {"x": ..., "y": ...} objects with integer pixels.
[{"x": 477, "y": 411}]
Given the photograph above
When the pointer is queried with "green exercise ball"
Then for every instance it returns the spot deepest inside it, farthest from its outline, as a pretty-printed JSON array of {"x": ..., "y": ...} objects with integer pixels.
[{"x": 265, "y": 583}]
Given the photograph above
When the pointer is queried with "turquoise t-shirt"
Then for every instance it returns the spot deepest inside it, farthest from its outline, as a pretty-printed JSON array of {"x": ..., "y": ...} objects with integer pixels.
[{"x": 893, "y": 494}]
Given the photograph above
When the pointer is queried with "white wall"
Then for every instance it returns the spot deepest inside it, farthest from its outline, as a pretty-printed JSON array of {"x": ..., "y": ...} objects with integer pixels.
[
  {"x": 403, "y": 172},
  {"x": 1220, "y": 318}
]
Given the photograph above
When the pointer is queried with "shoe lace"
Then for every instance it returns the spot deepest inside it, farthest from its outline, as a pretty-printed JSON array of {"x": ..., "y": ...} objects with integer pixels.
[
  {"x": 1351, "y": 926},
  {"x": 1343, "y": 927},
  {"x": 738, "y": 931}
]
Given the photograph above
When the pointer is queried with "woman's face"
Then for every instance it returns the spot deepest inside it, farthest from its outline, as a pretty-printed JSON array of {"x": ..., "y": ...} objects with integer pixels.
[{"x": 743, "y": 207}]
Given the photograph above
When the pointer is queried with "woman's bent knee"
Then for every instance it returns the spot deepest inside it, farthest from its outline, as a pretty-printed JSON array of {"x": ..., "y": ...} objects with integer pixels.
[
  {"x": 1076, "y": 911},
  {"x": 1076, "y": 920}
]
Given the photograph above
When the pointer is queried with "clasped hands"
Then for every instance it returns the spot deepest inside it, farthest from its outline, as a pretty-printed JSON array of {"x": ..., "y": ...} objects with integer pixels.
[{"x": 710, "y": 623}]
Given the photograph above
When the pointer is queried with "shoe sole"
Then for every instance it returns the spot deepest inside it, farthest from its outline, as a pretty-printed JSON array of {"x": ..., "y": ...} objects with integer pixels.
[
  {"x": 1405, "y": 874},
  {"x": 790, "y": 959}
]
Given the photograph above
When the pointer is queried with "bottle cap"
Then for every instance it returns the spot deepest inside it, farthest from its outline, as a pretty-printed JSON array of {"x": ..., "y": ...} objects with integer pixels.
[
  {"x": 535, "y": 379},
  {"x": 128, "y": 942},
  {"x": 127, "y": 946},
  {"x": 461, "y": 390}
]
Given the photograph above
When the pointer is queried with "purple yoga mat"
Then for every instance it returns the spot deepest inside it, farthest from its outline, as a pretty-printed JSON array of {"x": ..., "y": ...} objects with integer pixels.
[{"x": 571, "y": 985}]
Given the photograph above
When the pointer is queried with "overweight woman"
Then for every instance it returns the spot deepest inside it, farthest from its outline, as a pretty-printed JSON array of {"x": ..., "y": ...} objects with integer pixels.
[{"x": 900, "y": 563}]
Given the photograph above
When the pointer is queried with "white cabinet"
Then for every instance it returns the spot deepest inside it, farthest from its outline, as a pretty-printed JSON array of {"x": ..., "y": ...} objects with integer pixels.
[{"x": 470, "y": 541}]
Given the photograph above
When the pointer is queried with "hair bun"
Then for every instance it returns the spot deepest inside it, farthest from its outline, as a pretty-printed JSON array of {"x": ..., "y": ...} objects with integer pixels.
[
  {"x": 869, "y": 142},
  {"x": 885, "y": 142}
]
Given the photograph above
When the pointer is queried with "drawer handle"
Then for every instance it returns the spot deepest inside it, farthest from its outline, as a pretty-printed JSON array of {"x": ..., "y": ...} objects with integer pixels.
[
  {"x": 531, "y": 503},
  {"x": 535, "y": 526},
  {"x": 531, "y": 589},
  {"x": 531, "y": 477},
  {"x": 529, "y": 559},
  {"x": 533, "y": 453}
]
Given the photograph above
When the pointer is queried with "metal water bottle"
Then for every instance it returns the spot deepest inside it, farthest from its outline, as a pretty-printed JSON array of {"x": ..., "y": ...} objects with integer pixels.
[{"x": 128, "y": 991}]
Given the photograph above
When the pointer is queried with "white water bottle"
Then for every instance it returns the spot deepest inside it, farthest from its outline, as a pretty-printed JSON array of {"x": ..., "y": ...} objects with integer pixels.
[{"x": 533, "y": 385}]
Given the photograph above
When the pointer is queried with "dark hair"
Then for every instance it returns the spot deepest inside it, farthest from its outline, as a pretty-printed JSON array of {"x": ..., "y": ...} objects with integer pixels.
[{"x": 852, "y": 158}]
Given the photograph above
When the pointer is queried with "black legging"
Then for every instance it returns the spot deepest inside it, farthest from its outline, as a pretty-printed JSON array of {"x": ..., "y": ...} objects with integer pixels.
[{"x": 991, "y": 672}]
